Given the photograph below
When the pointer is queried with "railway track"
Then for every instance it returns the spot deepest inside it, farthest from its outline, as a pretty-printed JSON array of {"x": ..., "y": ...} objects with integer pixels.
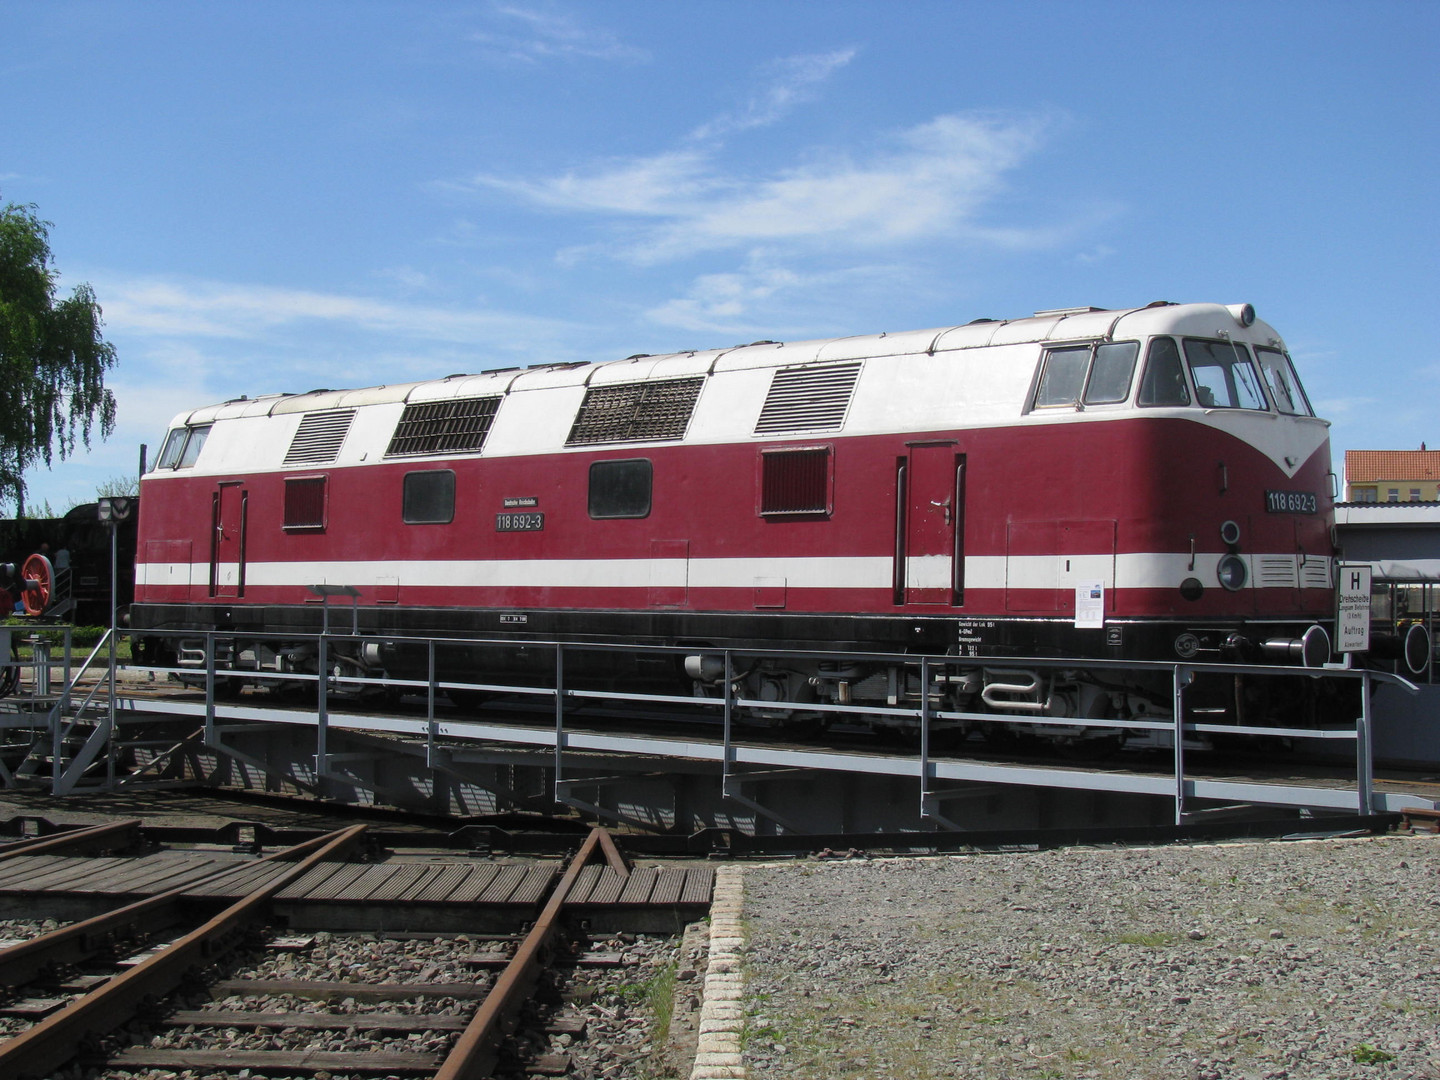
[{"x": 176, "y": 982}]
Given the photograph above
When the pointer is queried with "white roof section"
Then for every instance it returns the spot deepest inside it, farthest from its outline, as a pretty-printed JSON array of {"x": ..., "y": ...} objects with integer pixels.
[
  {"x": 973, "y": 375},
  {"x": 1389, "y": 515}
]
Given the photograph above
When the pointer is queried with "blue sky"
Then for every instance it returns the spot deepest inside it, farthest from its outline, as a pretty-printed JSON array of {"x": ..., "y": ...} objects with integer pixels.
[{"x": 281, "y": 197}]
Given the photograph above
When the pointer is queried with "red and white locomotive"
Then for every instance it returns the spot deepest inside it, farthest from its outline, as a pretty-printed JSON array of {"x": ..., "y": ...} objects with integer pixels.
[{"x": 1148, "y": 483}]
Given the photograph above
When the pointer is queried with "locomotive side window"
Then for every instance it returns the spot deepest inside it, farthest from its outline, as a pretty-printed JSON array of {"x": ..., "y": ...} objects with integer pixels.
[
  {"x": 620, "y": 489},
  {"x": 1110, "y": 373},
  {"x": 170, "y": 452},
  {"x": 193, "y": 443},
  {"x": 1063, "y": 377},
  {"x": 795, "y": 481},
  {"x": 1285, "y": 389},
  {"x": 1224, "y": 376},
  {"x": 305, "y": 502},
  {"x": 1164, "y": 380},
  {"x": 429, "y": 497},
  {"x": 1093, "y": 374},
  {"x": 182, "y": 447}
]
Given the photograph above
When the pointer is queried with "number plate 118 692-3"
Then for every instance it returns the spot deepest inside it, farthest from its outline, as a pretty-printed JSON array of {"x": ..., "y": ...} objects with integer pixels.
[
  {"x": 530, "y": 522},
  {"x": 1290, "y": 502}
]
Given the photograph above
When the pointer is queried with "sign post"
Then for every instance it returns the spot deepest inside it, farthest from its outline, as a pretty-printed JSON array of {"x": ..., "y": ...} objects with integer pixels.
[{"x": 1352, "y": 613}]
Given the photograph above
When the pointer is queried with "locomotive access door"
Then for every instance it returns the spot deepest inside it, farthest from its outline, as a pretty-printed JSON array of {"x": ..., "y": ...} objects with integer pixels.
[
  {"x": 930, "y": 530},
  {"x": 227, "y": 545}
]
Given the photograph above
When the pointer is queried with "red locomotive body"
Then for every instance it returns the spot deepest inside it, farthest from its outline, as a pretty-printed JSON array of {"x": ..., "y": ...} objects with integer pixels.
[{"x": 1149, "y": 483}]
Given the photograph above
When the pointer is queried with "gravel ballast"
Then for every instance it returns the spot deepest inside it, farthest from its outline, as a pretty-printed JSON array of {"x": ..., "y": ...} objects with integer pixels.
[{"x": 1312, "y": 959}]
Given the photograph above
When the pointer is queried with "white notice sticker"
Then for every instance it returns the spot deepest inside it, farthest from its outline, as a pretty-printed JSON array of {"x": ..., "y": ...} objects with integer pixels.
[{"x": 1090, "y": 605}]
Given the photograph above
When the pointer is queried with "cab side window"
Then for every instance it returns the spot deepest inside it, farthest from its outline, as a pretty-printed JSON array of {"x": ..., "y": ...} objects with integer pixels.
[
  {"x": 1164, "y": 380},
  {"x": 1087, "y": 374},
  {"x": 182, "y": 447}
]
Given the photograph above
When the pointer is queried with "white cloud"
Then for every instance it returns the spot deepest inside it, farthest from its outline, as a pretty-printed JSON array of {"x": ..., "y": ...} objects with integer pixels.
[
  {"x": 795, "y": 81},
  {"x": 924, "y": 184},
  {"x": 168, "y": 308},
  {"x": 551, "y": 35},
  {"x": 764, "y": 298},
  {"x": 663, "y": 186}
]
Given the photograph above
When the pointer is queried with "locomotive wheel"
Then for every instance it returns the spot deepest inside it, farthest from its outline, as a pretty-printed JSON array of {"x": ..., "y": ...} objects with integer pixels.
[
  {"x": 1005, "y": 737},
  {"x": 805, "y": 726},
  {"x": 38, "y": 575},
  {"x": 467, "y": 700}
]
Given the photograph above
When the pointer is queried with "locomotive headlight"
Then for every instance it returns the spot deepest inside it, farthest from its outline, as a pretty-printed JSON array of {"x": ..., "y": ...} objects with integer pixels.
[{"x": 1231, "y": 572}]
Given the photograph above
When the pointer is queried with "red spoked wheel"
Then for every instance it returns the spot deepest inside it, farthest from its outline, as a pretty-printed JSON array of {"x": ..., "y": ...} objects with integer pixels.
[{"x": 37, "y": 575}]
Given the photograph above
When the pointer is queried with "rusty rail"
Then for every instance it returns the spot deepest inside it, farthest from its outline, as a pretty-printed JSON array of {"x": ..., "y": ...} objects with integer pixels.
[
  {"x": 113, "y": 836},
  {"x": 475, "y": 1053},
  {"x": 37, "y": 1052},
  {"x": 72, "y": 944}
]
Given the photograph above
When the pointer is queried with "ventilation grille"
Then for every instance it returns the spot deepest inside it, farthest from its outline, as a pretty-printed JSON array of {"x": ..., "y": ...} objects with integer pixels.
[
  {"x": 305, "y": 502},
  {"x": 1315, "y": 573},
  {"x": 635, "y": 412},
  {"x": 1277, "y": 572},
  {"x": 443, "y": 427},
  {"x": 318, "y": 440},
  {"x": 808, "y": 399},
  {"x": 795, "y": 481}
]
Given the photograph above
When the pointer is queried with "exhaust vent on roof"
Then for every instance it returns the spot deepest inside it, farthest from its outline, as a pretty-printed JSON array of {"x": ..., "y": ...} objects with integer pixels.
[
  {"x": 808, "y": 399},
  {"x": 635, "y": 412},
  {"x": 458, "y": 426},
  {"x": 319, "y": 437}
]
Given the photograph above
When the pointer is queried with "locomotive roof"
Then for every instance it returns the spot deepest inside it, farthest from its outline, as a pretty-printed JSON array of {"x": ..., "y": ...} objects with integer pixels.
[{"x": 1068, "y": 324}]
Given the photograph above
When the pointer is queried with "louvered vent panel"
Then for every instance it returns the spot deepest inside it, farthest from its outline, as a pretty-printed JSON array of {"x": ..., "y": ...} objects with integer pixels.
[
  {"x": 318, "y": 440},
  {"x": 635, "y": 412},
  {"x": 1315, "y": 574},
  {"x": 808, "y": 399},
  {"x": 443, "y": 427},
  {"x": 795, "y": 482},
  {"x": 1277, "y": 571}
]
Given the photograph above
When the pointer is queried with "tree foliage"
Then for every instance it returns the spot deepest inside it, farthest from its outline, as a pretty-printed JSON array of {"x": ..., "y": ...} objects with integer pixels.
[
  {"x": 122, "y": 486},
  {"x": 53, "y": 358}
]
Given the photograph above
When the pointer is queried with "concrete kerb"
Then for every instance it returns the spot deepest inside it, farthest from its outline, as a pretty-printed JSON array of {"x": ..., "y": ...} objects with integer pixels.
[{"x": 722, "y": 1014}]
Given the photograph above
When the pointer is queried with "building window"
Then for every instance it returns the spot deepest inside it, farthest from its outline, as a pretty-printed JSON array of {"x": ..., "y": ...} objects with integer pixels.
[
  {"x": 795, "y": 481},
  {"x": 429, "y": 497},
  {"x": 1365, "y": 494},
  {"x": 1393, "y": 495},
  {"x": 305, "y": 502},
  {"x": 620, "y": 489},
  {"x": 1414, "y": 494}
]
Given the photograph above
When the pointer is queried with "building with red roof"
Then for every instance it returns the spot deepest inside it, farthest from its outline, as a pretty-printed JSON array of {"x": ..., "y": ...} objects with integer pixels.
[{"x": 1392, "y": 475}]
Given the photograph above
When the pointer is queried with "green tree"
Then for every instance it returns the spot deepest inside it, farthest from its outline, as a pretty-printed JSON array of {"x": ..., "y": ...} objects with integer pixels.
[
  {"x": 53, "y": 358},
  {"x": 121, "y": 485}
]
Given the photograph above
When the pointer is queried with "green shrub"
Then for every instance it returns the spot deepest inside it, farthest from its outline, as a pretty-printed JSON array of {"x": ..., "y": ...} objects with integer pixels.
[{"x": 1365, "y": 1054}]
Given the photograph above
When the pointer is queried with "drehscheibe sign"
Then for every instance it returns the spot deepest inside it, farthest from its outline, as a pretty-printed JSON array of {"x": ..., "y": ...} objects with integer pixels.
[{"x": 1352, "y": 614}]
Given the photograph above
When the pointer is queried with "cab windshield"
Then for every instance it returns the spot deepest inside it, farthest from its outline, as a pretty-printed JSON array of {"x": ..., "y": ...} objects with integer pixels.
[
  {"x": 1224, "y": 375},
  {"x": 1285, "y": 389}
]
